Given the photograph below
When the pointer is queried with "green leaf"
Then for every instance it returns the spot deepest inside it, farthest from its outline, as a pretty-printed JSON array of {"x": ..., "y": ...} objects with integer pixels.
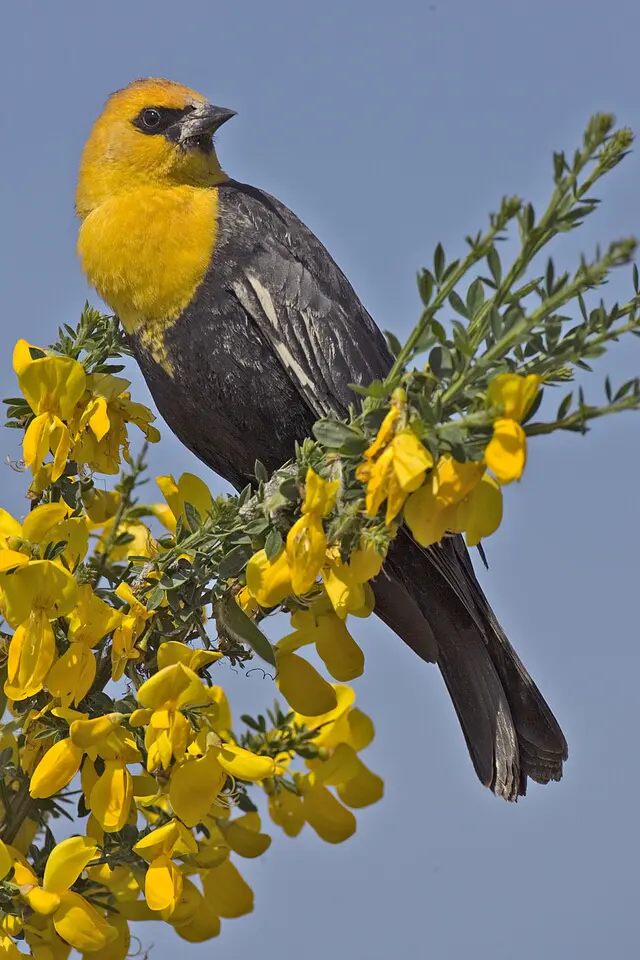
[
  {"x": 563, "y": 409},
  {"x": 155, "y": 598},
  {"x": 192, "y": 516},
  {"x": 235, "y": 561},
  {"x": 394, "y": 344},
  {"x": 273, "y": 544},
  {"x": 493, "y": 262},
  {"x": 54, "y": 550},
  {"x": 457, "y": 303},
  {"x": 441, "y": 362},
  {"x": 260, "y": 471},
  {"x": 339, "y": 436},
  {"x": 376, "y": 389},
  {"x": 438, "y": 262},
  {"x": 425, "y": 286},
  {"x": 233, "y": 622},
  {"x": 475, "y": 297}
]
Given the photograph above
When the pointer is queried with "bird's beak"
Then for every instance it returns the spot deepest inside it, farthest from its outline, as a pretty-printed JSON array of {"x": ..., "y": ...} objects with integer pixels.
[{"x": 203, "y": 121}]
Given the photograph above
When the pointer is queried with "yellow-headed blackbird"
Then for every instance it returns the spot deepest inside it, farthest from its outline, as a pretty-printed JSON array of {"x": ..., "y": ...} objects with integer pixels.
[{"x": 247, "y": 332}]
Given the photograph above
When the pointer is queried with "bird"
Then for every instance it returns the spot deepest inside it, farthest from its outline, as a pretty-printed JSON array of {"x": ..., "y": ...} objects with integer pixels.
[{"x": 247, "y": 332}]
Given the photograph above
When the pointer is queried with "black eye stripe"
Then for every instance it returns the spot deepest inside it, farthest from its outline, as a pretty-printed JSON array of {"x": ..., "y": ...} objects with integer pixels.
[{"x": 166, "y": 116}]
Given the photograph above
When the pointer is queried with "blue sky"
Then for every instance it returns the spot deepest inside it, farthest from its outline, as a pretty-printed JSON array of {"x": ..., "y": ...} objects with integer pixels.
[{"x": 389, "y": 127}]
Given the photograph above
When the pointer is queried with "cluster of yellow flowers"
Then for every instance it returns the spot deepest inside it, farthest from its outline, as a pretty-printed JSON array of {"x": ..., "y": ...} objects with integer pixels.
[
  {"x": 168, "y": 768},
  {"x": 449, "y": 496}
]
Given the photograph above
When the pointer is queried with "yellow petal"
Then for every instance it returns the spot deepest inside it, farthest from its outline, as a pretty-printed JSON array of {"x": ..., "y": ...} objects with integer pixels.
[
  {"x": 326, "y": 815},
  {"x": 344, "y": 591},
  {"x": 193, "y": 490},
  {"x": 22, "y": 355},
  {"x": 31, "y": 654},
  {"x": 44, "y": 902},
  {"x": 339, "y": 652},
  {"x": 343, "y": 765},
  {"x": 344, "y": 698},
  {"x": 222, "y": 720},
  {"x": 66, "y": 862},
  {"x": 6, "y": 860},
  {"x": 40, "y": 585},
  {"x": 425, "y": 517},
  {"x": 189, "y": 904},
  {"x": 111, "y": 796},
  {"x": 89, "y": 733},
  {"x": 99, "y": 418},
  {"x": 57, "y": 768},
  {"x": 514, "y": 393},
  {"x": 244, "y": 837},
  {"x": 80, "y": 924},
  {"x": 245, "y": 765},
  {"x": 203, "y": 926},
  {"x": 363, "y": 789},
  {"x": 226, "y": 893},
  {"x": 484, "y": 511},
  {"x": 506, "y": 453},
  {"x": 176, "y": 684},
  {"x": 35, "y": 445},
  {"x": 194, "y": 786},
  {"x": 76, "y": 534},
  {"x": 92, "y": 618},
  {"x": 38, "y": 523},
  {"x": 353, "y": 727},
  {"x": 302, "y": 686},
  {"x": 306, "y": 549},
  {"x": 53, "y": 385},
  {"x": 163, "y": 884},
  {"x": 410, "y": 460},
  {"x": 365, "y": 563},
  {"x": 269, "y": 581},
  {"x": 319, "y": 494},
  {"x": 285, "y": 809},
  {"x": 118, "y": 948},
  {"x": 72, "y": 675},
  {"x": 10, "y": 559}
]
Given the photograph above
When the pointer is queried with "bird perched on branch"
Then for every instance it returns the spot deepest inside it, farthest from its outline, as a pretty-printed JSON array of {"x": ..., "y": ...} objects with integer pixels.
[{"x": 247, "y": 332}]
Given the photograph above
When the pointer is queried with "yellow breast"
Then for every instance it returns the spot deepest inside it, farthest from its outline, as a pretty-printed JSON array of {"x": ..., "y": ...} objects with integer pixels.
[{"x": 147, "y": 251}]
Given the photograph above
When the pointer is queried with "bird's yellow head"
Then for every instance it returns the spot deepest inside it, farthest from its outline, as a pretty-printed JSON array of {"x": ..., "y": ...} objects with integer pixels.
[{"x": 153, "y": 132}]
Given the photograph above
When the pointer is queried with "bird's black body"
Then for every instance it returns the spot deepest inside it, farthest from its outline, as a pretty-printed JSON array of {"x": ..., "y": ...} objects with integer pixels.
[{"x": 270, "y": 342}]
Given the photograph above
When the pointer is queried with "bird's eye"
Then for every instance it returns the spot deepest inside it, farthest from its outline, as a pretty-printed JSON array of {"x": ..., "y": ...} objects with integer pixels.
[{"x": 151, "y": 118}]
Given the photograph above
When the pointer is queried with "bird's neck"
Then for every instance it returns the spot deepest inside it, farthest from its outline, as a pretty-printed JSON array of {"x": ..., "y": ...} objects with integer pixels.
[{"x": 147, "y": 251}]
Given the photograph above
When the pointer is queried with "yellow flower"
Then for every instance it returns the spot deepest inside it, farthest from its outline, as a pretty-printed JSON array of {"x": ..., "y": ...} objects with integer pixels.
[
  {"x": 431, "y": 511},
  {"x": 269, "y": 580},
  {"x": 74, "y": 919},
  {"x": 168, "y": 732},
  {"x": 130, "y": 628},
  {"x": 321, "y": 625},
  {"x": 34, "y": 594},
  {"x": 514, "y": 393},
  {"x": 346, "y": 591},
  {"x": 72, "y": 675},
  {"x": 324, "y": 813},
  {"x": 100, "y": 423},
  {"x": 506, "y": 453},
  {"x": 163, "y": 880},
  {"x": 480, "y": 513},
  {"x": 52, "y": 386},
  {"x": 243, "y": 834},
  {"x": 189, "y": 489},
  {"x": 306, "y": 541},
  {"x": 398, "y": 471}
]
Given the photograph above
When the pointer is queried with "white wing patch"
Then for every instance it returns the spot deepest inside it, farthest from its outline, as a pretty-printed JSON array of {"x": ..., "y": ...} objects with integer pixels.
[{"x": 273, "y": 333}]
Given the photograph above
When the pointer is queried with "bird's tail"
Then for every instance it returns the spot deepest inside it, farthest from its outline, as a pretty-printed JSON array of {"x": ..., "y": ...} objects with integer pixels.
[{"x": 433, "y": 601}]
